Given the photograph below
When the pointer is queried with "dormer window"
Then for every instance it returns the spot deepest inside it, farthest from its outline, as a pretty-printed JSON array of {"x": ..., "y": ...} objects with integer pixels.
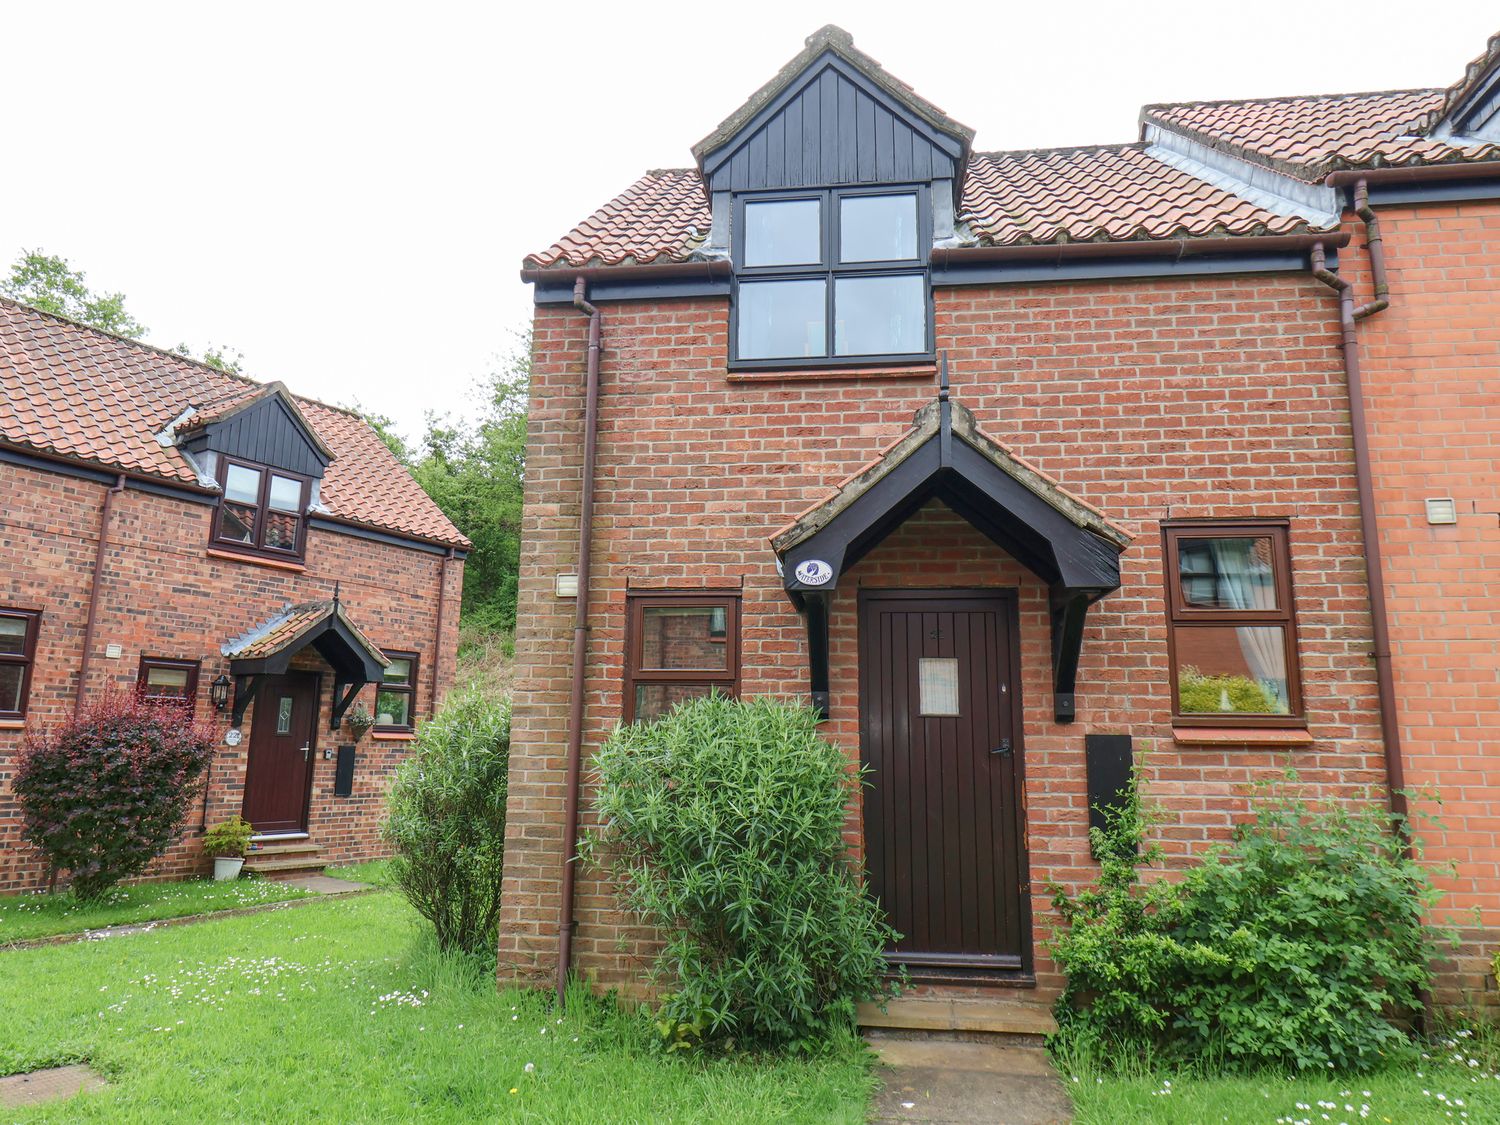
[
  {"x": 831, "y": 277},
  {"x": 262, "y": 510}
]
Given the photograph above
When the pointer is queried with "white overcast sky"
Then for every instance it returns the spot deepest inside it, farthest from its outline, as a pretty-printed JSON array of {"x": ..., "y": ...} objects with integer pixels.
[{"x": 344, "y": 192}]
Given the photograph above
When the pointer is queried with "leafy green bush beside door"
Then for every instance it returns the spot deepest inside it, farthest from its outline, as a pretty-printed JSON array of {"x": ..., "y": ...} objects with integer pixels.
[{"x": 725, "y": 823}]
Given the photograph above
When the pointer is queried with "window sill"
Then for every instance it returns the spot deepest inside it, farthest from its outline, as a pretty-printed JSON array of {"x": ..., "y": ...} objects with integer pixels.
[
  {"x": 258, "y": 560},
  {"x": 924, "y": 369},
  {"x": 393, "y": 735},
  {"x": 12, "y": 724},
  {"x": 1241, "y": 736}
]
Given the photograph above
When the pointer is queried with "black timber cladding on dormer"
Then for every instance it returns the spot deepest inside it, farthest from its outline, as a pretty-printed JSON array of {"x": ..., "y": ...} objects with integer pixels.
[
  {"x": 832, "y": 126},
  {"x": 265, "y": 432}
]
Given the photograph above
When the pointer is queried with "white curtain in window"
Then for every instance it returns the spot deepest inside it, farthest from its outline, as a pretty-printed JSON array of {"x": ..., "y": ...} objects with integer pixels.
[{"x": 1246, "y": 582}]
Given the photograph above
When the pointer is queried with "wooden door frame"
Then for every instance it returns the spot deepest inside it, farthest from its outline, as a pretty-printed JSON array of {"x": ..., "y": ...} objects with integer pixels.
[
  {"x": 312, "y": 743},
  {"x": 1008, "y": 597}
]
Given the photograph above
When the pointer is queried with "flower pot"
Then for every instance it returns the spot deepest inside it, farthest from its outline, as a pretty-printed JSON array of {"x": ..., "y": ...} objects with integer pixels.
[{"x": 227, "y": 867}]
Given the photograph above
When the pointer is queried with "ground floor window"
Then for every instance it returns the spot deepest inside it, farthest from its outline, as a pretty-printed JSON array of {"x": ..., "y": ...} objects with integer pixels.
[
  {"x": 168, "y": 681},
  {"x": 679, "y": 646},
  {"x": 396, "y": 698},
  {"x": 18, "y": 630},
  {"x": 1232, "y": 633}
]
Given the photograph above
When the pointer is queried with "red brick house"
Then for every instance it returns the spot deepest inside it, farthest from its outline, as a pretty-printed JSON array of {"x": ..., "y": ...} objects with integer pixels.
[
  {"x": 191, "y": 535},
  {"x": 1022, "y": 465}
]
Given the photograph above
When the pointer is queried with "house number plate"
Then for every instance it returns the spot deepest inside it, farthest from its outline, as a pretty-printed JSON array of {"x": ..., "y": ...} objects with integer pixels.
[
  {"x": 232, "y": 737},
  {"x": 814, "y": 572}
]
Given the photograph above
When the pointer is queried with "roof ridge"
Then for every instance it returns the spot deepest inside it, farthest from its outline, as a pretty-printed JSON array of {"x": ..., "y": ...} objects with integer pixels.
[
  {"x": 1345, "y": 96},
  {"x": 250, "y": 381}
]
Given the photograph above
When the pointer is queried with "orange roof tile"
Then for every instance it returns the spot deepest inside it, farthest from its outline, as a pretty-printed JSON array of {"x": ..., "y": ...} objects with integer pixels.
[{"x": 83, "y": 394}]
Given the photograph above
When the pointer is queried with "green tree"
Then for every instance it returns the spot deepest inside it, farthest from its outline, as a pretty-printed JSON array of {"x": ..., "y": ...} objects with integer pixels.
[
  {"x": 49, "y": 283},
  {"x": 222, "y": 357},
  {"x": 473, "y": 470}
]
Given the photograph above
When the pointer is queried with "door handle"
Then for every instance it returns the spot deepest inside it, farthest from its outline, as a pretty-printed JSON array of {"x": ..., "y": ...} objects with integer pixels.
[
  {"x": 1003, "y": 748},
  {"x": 306, "y": 754}
]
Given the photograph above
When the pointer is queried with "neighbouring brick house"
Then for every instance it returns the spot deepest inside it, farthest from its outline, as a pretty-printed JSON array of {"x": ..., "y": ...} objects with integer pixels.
[
  {"x": 1022, "y": 465},
  {"x": 170, "y": 529}
]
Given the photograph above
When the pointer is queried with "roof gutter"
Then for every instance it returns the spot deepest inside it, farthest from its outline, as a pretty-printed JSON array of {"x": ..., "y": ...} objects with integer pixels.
[
  {"x": 565, "y": 921},
  {"x": 1349, "y": 317},
  {"x": 1412, "y": 173},
  {"x": 704, "y": 270},
  {"x": 1144, "y": 248},
  {"x": 93, "y": 615}
]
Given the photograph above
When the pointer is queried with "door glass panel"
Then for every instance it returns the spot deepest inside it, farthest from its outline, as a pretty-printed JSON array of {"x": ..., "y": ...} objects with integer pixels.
[
  {"x": 284, "y": 715},
  {"x": 878, "y": 228},
  {"x": 937, "y": 686},
  {"x": 677, "y": 637},
  {"x": 783, "y": 232},
  {"x": 1229, "y": 573},
  {"x": 11, "y": 676},
  {"x": 242, "y": 484},
  {"x": 1231, "y": 670},
  {"x": 286, "y": 494},
  {"x": 880, "y": 315},
  {"x": 782, "y": 319},
  {"x": 13, "y": 636},
  {"x": 652, "y": 701}
]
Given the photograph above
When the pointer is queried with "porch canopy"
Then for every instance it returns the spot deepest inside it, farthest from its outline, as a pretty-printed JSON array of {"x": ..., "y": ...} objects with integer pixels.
[
  {"x": 1067, "y": 543},
  {"x": 268, "y": 649}
]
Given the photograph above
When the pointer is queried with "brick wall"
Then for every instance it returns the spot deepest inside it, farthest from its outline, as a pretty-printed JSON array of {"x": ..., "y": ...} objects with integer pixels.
[
  {"x": 1150, "y": 399},
  {"x": 1432, "y": 369},
  {"x": 162, "y": 595}
]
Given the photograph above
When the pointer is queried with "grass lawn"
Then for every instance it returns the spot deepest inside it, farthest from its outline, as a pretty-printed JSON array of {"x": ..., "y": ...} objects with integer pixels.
[
  {"x": 36, "y": 915},
  {"x": 1445, "y": 1086},
  {"x": 337, "y": 1011}
]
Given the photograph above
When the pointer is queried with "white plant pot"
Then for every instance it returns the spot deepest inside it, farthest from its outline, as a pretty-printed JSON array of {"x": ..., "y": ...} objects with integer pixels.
[{"x": 227, "y": 868}]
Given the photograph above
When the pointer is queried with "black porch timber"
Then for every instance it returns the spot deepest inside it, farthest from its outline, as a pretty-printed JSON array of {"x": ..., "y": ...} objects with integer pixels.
[
  {"x": 815, "y": 613},
  {"x": 344, "y": 692},
  {"x": 1069, "y": 608},
  {"x": 245, "y": 689}
]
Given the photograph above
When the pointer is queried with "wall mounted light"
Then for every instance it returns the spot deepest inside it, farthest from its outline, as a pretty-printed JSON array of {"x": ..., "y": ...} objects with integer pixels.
[{"x": 218, "y": 692}]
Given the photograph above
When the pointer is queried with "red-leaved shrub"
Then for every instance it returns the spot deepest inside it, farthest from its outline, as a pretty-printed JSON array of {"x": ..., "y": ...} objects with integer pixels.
[{"x": 105, "y": 793}]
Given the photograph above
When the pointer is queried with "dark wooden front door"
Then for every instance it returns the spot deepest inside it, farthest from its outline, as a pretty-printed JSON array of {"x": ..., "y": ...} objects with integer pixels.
[
  {"x": 281, "y": 747},
  {"x": 939, "y": 733}
]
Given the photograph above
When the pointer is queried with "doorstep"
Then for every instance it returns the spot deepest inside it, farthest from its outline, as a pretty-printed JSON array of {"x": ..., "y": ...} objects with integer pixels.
[{"x": 949, "y": 1018}]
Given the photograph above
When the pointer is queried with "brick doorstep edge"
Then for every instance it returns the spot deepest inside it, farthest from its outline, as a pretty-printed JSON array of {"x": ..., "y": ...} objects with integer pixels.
[{"x": 184, "y": 920}]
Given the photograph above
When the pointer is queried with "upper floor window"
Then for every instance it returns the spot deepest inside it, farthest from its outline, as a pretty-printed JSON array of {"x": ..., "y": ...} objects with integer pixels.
[
  {"x": 831, "y": 276},
  {"x": 679, "y": 647},
  {"x": 168, "y": 681},
  {"x": 1232, "y": 633},
  {"x": 262, "y": 510},
  {"x": 18, "y": 629}
]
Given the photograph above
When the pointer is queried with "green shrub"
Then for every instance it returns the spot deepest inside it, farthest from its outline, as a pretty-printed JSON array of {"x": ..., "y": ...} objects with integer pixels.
[
  {"x": 105, "y": 792},
  {"x": 447, "y": 820},
  {"x": 725, "y": 820},
  {"x": 1300, "y": 944},
  {"x": 1200, "y": 694},
  {"x": 229, "y": 838}
]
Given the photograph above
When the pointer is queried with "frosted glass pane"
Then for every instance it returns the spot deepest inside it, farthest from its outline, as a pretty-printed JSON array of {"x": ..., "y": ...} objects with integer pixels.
[{"x": 937, "y": 683}]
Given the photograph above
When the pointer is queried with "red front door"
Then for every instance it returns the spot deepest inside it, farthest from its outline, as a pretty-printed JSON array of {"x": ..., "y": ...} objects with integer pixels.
[{"x": 281, "y": 748}]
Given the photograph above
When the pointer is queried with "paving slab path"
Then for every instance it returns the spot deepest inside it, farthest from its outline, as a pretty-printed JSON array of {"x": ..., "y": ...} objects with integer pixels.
[{"x": 938, "y": 1080}]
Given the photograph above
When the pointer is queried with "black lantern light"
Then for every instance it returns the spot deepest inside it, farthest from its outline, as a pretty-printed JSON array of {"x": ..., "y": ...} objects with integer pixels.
[{"x": 218, "y": 691}]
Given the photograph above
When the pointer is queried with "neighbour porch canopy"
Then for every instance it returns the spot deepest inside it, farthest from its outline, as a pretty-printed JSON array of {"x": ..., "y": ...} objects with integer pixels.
[
  {"x": 268, "y": 649},
  {"x": 1067, "y": 543}
]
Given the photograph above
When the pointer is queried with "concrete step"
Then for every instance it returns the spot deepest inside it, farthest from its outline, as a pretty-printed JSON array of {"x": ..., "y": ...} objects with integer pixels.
[
  {"x": 281, "y": 861},
  {"x": 298, "y": 848},
  {"x": 947, "y": 1017}
]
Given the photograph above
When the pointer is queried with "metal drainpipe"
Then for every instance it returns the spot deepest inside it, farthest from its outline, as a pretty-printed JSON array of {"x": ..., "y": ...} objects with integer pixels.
[
  {"x": 437, "y": 644},
  {"x": 1349, "y": 316},
  {"x": 88, "y": 629},
  {"x": 565, "y": 923}
]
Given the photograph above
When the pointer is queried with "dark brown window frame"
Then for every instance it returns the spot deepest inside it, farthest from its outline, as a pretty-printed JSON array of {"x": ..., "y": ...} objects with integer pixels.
[
  {"x": 1181, "y": 615},
  {"x": 409, "y": 689},
  {"x": 262, "y": 507},
  {"x": 636, "y": 604},
  {"x": 27, "y": 659},
  {"x": 189, "y": 700}
]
